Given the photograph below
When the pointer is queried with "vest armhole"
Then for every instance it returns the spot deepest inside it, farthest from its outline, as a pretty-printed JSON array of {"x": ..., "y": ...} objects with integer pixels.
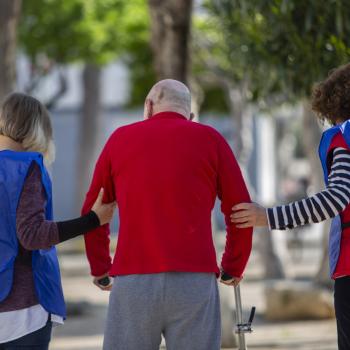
[
  {"x": 31, "y": 168},
  {"x": 330, "y": 157},
  {"x": 34, "y": 166},
  {"x": 337, "y": 142},
  {"x": 38, "y": 164}
]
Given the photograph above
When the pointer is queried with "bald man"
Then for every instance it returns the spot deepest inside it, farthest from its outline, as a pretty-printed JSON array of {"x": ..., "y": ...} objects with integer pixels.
[{"x": 165, "y": 173}]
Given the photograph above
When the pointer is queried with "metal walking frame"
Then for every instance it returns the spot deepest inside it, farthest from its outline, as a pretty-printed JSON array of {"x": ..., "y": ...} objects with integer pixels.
[{"x": 242, "y": 328}]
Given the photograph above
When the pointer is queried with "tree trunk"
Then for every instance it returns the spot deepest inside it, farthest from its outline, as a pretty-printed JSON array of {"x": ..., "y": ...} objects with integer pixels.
[
  {"x": 273, "y": 268},
  {"x": 9, "y": 16},
  {"x": 170, "y": 36},
  {"x": 60, "y": 92},
  {"x": 89, "y": 127},
  {"x": 312, "y": 136}
]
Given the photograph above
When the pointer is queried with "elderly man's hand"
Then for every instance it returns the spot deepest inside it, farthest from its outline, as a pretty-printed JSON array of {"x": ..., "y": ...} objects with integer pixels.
[
  {"x": 248, "y": 215},
  {"x": 229, "y": 280},
  {"x": 101, "y": 282}
]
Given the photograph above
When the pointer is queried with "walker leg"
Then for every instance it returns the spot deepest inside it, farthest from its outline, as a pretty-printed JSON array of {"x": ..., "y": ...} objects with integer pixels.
[
  {"x": 242, "y": 328},
  {"x": 241, "y": 335}
]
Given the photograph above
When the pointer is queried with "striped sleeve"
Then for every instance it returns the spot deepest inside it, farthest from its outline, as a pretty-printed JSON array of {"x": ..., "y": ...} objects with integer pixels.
[{"x": 321, "y": 206}]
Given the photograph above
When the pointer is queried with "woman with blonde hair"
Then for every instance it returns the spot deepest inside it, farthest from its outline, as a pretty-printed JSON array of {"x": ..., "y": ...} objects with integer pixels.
[{"x": 31, "y": 297}]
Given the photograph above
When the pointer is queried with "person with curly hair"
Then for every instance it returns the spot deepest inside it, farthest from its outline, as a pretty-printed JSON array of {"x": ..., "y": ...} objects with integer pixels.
[{"x": 331, "y": 102}]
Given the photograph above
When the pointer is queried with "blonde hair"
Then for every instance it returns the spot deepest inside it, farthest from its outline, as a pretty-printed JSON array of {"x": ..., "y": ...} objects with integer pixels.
[{"x": 25, "y": 120}]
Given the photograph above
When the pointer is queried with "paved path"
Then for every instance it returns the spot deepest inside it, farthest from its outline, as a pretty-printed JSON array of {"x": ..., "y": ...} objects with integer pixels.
[{"x": 84, "y": 331}]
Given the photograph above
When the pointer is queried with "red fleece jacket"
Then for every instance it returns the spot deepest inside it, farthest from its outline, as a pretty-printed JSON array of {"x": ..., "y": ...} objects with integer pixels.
[{"x": 165, "y": 174}]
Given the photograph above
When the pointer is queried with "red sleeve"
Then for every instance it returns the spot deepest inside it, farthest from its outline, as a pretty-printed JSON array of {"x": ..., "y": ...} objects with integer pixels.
[
  {"x": 231, "y": 191},
  {"x": 97, "y": 241}
]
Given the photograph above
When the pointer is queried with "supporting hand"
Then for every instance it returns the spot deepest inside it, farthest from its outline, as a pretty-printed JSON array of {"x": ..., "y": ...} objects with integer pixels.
[
  {"x": 103, "y": 211},
  {"x": 249, "y": 214}
]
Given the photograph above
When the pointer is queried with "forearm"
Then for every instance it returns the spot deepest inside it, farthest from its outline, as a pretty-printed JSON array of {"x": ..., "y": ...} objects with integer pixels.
[
  {"x": 43, "y": 234},
  {"x": 97, "y": 250},
  {"x": 97, "y": 246},
  {"x": 321, "y": 206},
  {"x": 97, "y": 243},
  {"x": 76, "y": 227},
  {"x": 237, "y": 251}
]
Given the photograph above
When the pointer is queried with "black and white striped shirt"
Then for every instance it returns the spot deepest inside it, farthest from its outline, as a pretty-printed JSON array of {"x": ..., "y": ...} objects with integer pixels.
[{"x": 321, "y": 206}]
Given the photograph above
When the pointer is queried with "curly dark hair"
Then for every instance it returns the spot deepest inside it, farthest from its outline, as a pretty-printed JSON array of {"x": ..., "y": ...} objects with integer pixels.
[{"x": 331, "y": 97}]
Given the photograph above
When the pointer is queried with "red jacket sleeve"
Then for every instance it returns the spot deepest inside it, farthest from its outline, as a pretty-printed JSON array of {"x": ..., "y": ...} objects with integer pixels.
[
  {"x": 97, "y": 241},
  {"x": 232, "y": 190}
]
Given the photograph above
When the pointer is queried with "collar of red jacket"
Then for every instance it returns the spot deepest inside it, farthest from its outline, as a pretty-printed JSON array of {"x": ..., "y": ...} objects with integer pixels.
[{"x": 169, "y": 114}]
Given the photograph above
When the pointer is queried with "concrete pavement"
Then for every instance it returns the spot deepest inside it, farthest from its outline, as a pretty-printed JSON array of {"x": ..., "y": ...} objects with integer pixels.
[{"x": 84, "y": 329}]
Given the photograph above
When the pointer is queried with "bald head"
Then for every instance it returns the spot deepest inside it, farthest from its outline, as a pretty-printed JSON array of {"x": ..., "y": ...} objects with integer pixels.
[{"x": 168, "y": 96}]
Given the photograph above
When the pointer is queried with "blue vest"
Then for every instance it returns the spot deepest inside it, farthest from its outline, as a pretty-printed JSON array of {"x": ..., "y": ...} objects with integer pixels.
[
  {"x": 336, "y": 227},
  {"x": 14, "y": 168}
]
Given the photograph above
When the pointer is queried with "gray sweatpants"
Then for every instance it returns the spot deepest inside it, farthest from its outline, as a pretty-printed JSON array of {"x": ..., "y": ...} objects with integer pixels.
[{"x": 184, "y": 307}]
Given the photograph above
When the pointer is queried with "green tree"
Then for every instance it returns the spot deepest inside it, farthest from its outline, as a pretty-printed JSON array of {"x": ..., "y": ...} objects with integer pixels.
[
  {"x": 93, "y": 32},
  {"x": 288, "y": 45},
  {"x": 279, "y": 48},
  {"x": 54, "y": 33}
]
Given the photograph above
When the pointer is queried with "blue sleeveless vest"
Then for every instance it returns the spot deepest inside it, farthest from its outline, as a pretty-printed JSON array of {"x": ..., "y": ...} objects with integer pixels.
[
  {"x": 14, "y": 168},
  {"x": 336, "y": 227}
]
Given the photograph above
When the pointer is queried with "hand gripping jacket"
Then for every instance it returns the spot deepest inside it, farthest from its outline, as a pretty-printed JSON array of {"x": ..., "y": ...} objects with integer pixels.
[
  {"x": 14, "y": 168},
  {"x": 337, "y": 224}
]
